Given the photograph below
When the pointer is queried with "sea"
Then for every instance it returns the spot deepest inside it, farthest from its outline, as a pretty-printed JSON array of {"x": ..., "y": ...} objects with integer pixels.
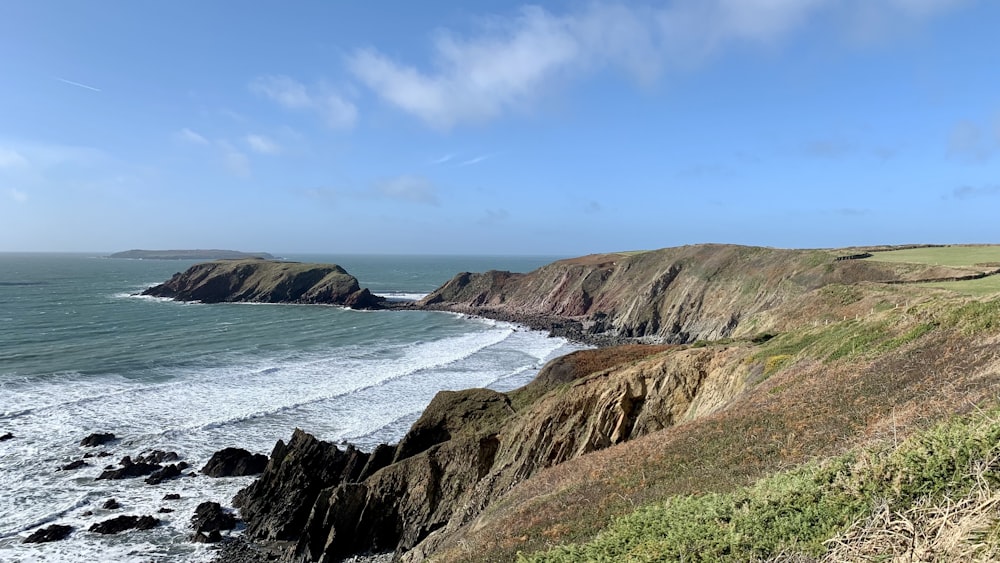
[{"x": 81, "y": 352}]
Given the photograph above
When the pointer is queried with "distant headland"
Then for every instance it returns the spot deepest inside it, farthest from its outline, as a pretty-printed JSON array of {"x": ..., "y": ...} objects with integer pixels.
[{"x": 137, "y": 254}]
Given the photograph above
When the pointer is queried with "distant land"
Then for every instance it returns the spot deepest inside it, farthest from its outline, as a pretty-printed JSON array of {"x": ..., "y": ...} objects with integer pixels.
[{"x": 136, "y": 254}]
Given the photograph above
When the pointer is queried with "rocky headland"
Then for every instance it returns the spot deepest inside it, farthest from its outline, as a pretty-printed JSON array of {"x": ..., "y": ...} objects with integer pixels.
[
  {"x": 266, "y": 281},
  {"x": 729, "y": 363}
]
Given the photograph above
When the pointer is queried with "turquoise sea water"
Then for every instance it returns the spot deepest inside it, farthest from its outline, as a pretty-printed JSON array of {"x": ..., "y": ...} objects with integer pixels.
[{"x": 79, "y": 353}]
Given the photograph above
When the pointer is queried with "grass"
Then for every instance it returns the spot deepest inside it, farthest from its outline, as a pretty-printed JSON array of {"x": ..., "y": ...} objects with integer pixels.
[
  {"x": 827, "y": 509},
  {"x": 955, "y": 256},
  {"x": 980, "y": 287}
]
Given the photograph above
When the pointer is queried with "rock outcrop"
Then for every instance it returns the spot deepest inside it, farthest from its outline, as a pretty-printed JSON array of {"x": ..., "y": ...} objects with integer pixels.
[
  {"x": 264, "y": 281},
  {"x": 234, "y": 462},
  {"x": 97, "y": 439},
  {"x": 123, "y": 523},
  {"x": 469, "y": 447},
  {"x": 55, "y": 532}
]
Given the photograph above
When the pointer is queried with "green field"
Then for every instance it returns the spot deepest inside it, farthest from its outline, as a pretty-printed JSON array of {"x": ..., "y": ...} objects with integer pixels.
[
  {"x": 984, "y": 286},
  {"x": 954, "y": 256}
]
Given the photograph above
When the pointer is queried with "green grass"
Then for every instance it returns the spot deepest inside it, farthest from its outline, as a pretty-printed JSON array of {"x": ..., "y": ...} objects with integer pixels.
[
  {"x": 956, "y": 256},
  {"x": 796, "y": 512},
  {"x": 982, "y": 286}
]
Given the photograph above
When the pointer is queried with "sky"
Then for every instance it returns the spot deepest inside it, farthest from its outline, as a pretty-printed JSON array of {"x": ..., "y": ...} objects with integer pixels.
[{"x": 556, "y": 128}]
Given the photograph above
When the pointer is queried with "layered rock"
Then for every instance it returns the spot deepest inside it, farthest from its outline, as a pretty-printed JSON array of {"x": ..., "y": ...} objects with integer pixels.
[
  {"x": 469, "y": 447},
  {"x": 264, "y": 281},
  {"x": 675, "y": 295}
]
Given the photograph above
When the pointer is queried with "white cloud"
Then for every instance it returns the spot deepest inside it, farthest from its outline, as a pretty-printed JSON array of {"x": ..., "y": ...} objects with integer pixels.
[
  {"x": 337, "y": 112},
  {"x": 190, "y": 136},
  {"x": 413, "y": 189},
  {"x": 10, "y": 158},
  {"x": 17, "y": 195},
  {"x": 509, "y": 62},
  {"x": 262, "y": 144}
]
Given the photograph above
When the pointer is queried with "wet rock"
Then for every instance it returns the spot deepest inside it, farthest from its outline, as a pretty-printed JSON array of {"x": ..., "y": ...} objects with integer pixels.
[
  {"x": 111, "y": 504},
  {"x": 97, "y": 439},
  {"x": 234, "y": 462},
  {"x": 157, "y": 456},
  {"x": 129, "y": 471},
  {"x": 171, "y": 471},
  {"x": 103, "y": 454},
  {"x": 165, "y": 510},
  {"x": 74, "y": 465},
  {"x": 55, "y": 532},
  {"x": 214, "y": 536},
  {"x": 171, "y": 496},
  {"x": 6, "y": 436},
  {"x": 122, "y": 523},
  {"x": 210, "y": 516}
]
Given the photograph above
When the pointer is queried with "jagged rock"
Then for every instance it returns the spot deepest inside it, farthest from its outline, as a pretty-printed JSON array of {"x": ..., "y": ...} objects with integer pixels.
[
  {"x": 234, "y": 462},
  {"x": 103, "y": 454},
  {"x": 210, "y": 516},
  {"x": 278, "y": 503},
  {"x": 6, "y": 436},
  {"x": 265, "y": 281},
  {"x": 122, "y": 523},
  {"x": 171, "y": 471},
  {"x": 111, "y": 504},
  {"x": 171, "y": 496},
  {"x": 129, "y": 470},
  {"x": 156, "y": 456},
  {"x": 76, "y": 464},
  {"x": 55, "y": 532},
  {"x": 453, "y": 412},
  {"x": 165, "y": 510},
  {"x": 97, "y": 439}
]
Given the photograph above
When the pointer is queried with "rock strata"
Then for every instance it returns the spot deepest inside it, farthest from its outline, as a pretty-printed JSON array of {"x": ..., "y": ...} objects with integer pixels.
[{"x": 263, "y": 281}]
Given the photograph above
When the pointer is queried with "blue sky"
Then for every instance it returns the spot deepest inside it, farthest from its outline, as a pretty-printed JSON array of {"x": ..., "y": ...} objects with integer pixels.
[{"x": 497, "y": 127}]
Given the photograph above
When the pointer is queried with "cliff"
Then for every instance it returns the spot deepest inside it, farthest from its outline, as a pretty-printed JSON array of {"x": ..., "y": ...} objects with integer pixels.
[
  {"x": 264, "y": 281},
  {"x": 679, "y": 295}
]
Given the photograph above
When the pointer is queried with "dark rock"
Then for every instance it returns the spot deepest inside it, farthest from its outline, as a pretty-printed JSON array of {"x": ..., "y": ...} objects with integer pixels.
[
  {"x": 6, "y": 436},
  {"x": 171, "y": 496},
  {"x": 55, "y": 532},
  {"x": 88, "y": 513},
  {"x": 122, "y": 523},
  {"x": 74, "y": 465},
  {"x": 97, "y": 439},
  {"x": 277, "y": 505},
  {"x": 130, "y": 470},
  {"x": 171, "y": 471},
  {"x": 88, "y": 455},
  {"x": 103, "y": 454},
  {"x": 213, "y": 536},
  {"x": 450, "y": 413},
  {"x": 111, "y": 504},
  {"x": 165, "y": 510},
  {"x": 210, "y": 516},
  {"x": 234, "y": 462},
  {"x": 156, "y": 456}
]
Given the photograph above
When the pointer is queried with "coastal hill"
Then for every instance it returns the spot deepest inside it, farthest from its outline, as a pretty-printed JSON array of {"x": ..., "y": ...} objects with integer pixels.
[
  {"x": 826, "y": 355},
  {"x": 264, "y": 281},
  {"x": 137, "y": 254},
  {"x": 758, "y": 404}
]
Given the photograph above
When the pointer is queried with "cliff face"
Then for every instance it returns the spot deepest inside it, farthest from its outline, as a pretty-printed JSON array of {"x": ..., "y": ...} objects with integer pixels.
[
  {"x": 470, "y": 447},
  {"x": 670, "y": 295},
  {"x": 264, "y": 281}
]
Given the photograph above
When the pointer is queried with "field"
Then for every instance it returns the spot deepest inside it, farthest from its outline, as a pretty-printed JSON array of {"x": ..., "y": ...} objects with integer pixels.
[
  {"x": 955, "y": 256},
  {"x": 983, "y": 286}
]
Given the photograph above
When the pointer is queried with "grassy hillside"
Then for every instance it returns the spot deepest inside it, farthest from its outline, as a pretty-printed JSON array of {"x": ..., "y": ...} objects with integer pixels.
[{"x": 812, "y": 459}]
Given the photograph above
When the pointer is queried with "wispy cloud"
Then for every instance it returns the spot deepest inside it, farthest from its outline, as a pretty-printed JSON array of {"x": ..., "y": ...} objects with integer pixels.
[
  {"x": 77, "y": 84},
  {"x": 17, "y": 195},
  {"x": 969, "y": 192},
  {"x": 475, "y": 160},
  {"x": 443, "y": 159},
  {"x": 507, "y": 63},
  {"x": 336, "y": 111},
  {"x": 415, "y": 189},
  {"x": 235, "y": 160},
  {"x": 190, "y": 136},
  {"x": 10, "y": 158},
  {"x": 262, "y": 144}
]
